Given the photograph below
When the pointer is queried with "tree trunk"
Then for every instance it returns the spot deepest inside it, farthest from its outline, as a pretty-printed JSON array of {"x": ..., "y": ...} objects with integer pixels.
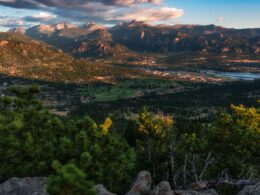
[{"x": 170, "y": 159}]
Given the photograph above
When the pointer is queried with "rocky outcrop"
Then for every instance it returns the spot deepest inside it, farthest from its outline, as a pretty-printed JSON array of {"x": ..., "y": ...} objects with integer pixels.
[
  {"x": 250, "y": 190},
  {"x": 24, "y": 186},
  {"x": 193, "y": 192},
  {"x": 21, "y": 30},
  {"x": 142, "y": 184},
  {"x": 163, "y": 188},
  {"x": 3, "y": 43},
  {"x": 101, "y": 190}
]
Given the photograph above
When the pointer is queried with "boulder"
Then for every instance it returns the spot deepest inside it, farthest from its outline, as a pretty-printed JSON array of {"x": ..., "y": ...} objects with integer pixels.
[
  {"x": 142, "y": 184},
  {"x": 163, "y": 188},
  {"x": 101, "y": 190},
  {"x": 24, "y": 186},
  {"x": 193, "y": 192},
  {"x": 250, "y": 190},
  {"x": 200, "y": 186}
]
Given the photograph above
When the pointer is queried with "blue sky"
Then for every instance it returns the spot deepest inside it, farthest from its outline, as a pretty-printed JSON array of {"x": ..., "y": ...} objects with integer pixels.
[{"x": 228, "y": 13}]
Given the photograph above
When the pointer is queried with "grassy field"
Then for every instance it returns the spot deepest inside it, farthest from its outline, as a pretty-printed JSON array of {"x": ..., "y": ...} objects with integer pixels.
[{"x": 129, "y": 89}]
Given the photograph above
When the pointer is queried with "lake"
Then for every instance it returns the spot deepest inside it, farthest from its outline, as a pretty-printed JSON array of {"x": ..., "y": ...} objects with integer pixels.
[{"x": 234, "y": 75}]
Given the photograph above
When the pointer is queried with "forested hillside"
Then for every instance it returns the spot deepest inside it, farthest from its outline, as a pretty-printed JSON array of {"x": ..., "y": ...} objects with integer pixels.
[{"x": 78, "y": 153}]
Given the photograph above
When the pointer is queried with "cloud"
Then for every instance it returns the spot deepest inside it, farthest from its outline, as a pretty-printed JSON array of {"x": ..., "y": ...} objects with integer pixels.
[
  {"x": 8, "y": 22},
  {"x": 27, "y": 4},
  {"x": 72, "y": 3},
  {"x": 40, "y": 17},
  {"x": 130, "y": 2},
  {"x": 151, "y": 15},
  {"x": 102, "y": 11}
]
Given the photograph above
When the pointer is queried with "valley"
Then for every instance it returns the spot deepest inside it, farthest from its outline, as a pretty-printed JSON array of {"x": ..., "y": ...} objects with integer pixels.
[
  {"x": 181, "y": 97},
  {"x": 90, "y": 69}
]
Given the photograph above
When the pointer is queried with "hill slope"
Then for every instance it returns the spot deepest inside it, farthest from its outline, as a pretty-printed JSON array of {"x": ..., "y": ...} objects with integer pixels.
[{"x": 22, "y": 56}]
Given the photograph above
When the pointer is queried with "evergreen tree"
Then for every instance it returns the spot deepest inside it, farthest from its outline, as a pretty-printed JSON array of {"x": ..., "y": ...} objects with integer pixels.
[
  {"x": 70, "y": 180},
  {"x": 155, "y": 141},
  {"x": 235, "y": 140}
]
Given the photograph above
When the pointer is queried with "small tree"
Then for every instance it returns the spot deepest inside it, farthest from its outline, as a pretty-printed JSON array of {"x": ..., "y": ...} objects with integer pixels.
[
  {"x": 70, "y": 180},
  {"x": 155, "y": 144},
  {"x": 235, "y": 140}
]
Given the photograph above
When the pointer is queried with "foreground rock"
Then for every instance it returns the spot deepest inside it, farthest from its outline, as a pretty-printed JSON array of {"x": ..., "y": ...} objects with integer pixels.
[
  {"x": 101, "y": 190},
  {"x": 192, "y": 192},
  {"x": 163, "y": 188},
  {"x": 142, "y": 184},
  {"x": 251, "y": 190},
  {"x": 24, "y": 186}
]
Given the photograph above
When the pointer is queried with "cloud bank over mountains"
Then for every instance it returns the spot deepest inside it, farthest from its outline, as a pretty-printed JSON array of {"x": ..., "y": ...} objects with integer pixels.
[{"x": 83, "y": 11}]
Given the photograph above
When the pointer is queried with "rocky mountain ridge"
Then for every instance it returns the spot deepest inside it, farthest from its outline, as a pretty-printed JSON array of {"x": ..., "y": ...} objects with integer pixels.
[{"x": 94, "y": 40}]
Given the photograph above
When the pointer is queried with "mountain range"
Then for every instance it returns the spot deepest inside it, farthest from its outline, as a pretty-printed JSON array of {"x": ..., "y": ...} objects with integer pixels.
[{"x": 95, "y": 40}]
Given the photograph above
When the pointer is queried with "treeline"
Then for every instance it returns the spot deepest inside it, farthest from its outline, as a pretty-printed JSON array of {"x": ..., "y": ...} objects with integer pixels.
[
  {"x": 183, "y": 104},
  {"x": 76, "y": 154}
]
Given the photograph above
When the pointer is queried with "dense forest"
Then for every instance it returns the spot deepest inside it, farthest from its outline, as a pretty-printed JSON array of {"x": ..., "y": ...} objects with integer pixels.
[{"x": 78, "y": 153}]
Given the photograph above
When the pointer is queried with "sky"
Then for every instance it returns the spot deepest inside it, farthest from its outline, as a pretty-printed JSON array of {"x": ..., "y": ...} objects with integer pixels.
[{"x": 227, "y": 13}]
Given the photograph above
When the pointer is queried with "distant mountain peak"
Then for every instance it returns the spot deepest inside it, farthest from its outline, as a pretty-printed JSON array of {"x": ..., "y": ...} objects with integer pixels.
[
  {"x": 21, "y": 30},
  {"x": 134, "y": 23},
  {"x": 185, "y": 25},
  {"x": 43, "y": 28},
  {"x": 92, "y": 26},
  {"x": 62, "y": 25},
  {"x": 130, "y": 25}
]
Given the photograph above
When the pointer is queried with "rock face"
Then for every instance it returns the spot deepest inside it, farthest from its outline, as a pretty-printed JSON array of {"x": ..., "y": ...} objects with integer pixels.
[
  {"x": 3, "y": 43},
  {"x": 163, "y": 188},
  {"x": 142, "y": 184},
  {"x": 101, "y": 190},
  {"x": 18, "y": 30},
  {"x": 192, "y": 192},
  {"x": 24, "y": 186},
  {"x": 251, "y": 190}
]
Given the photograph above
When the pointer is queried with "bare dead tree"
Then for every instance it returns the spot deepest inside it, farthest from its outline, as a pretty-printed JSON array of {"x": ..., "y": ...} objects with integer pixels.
[
  {"x": 199, "y": 174},
  {"x": 224, "y": 176},
  {"x": 170, "y": 157},
  {"x": 184, "y": 171},
  {"x": 194, "y": 168},
  {"x": 209, "y": 161},
  {"x": 246, "y": 174}
]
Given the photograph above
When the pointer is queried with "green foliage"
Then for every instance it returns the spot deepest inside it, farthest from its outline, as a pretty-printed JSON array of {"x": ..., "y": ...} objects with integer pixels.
[
  {"x": 27, "y": 135},
  {"x": 155, "y": 134},
  {"x": 78, "y": 153},
  {"x": 34, "y": 142},
  {"x": 70, "y": 180},
  {"x": 235, "y": 140}
]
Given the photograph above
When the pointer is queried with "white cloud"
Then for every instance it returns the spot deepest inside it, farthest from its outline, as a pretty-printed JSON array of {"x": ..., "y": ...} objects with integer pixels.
[
  {"x": 40, "y": 17},
  {"x": 10, "y": 22},
  {"x": 150, "y": 15},
  {"x": 101, "y": 11}
]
